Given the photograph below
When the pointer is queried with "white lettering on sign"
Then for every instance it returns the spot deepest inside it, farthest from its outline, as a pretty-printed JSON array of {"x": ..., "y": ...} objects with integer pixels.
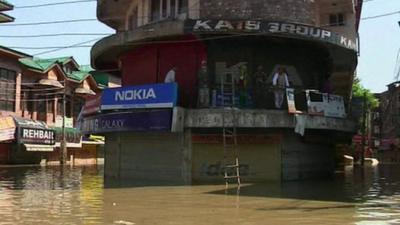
[
  {"x": 252, "y": 25},
  {"x": 37, "y": 134},
  {"x": 223, "y": 24},
  {"x": 135, "y": 94},
  {"x": 112, "y": 124},
  {"x": 202, "y": 25},
  {"x": 249, "y": 25}
]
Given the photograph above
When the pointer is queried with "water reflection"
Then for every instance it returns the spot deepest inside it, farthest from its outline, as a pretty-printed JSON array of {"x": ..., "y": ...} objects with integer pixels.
[{"x": 36, "y": 195}]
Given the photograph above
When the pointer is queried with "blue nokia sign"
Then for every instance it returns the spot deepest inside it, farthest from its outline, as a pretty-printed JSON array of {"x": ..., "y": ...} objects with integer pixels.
[{"x": 140, "y": 97}]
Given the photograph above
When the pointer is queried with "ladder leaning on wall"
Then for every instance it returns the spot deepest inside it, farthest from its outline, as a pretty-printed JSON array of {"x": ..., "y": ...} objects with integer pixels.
[{"x": 229, "y": 130}]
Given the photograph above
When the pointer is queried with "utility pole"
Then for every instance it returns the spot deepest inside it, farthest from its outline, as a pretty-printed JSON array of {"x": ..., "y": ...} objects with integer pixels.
[
  {"x": 363, "y": 128},
  {"x": 63, "y": 144}
]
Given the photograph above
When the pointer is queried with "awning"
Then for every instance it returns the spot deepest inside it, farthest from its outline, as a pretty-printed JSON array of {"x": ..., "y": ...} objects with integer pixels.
[
  {"x": 38, "y": 148},
  {"x": 48, "y": 82},
  {"x": 84, "y": 91}
]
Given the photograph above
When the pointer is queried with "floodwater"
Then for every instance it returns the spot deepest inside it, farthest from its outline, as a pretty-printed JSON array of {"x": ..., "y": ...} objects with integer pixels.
[{"x": 36, "y": 195}]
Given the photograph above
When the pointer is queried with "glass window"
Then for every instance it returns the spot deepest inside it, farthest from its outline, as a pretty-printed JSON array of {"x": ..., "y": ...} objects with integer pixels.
[
  {"x": 8, "y": 89},
  {"x": 336, "y": 19}
]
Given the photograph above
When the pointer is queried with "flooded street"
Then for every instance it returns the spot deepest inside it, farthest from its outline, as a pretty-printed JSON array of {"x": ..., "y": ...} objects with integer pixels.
[{"x": 36, "y": 195}]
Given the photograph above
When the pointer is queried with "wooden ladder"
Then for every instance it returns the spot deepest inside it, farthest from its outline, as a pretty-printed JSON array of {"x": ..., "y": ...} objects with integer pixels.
[{"x": 229, "y": 130}]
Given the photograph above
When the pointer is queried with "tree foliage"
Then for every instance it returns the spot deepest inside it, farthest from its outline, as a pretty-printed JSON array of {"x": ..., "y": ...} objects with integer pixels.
[{"x": 359, "y": 90}]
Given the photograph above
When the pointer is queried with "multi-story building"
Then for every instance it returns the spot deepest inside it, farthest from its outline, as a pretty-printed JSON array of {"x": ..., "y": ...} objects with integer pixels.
[
  {"x": 387, "y": 123},
  {"x": 314, "y": 41},
  {"x": 5, "y": 6},
  {"x": 32, "y": 93}
]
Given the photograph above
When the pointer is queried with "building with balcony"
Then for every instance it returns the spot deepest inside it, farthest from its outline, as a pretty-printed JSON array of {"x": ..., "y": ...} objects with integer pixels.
[
  {"x": 5, "y": 6},
  {"x": 314, "y": 41},
  {"x": 32, "y": 91}
]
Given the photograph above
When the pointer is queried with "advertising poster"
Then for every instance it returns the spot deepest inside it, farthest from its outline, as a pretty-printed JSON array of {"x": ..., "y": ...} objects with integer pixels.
[{"x": 291, "y": 100}]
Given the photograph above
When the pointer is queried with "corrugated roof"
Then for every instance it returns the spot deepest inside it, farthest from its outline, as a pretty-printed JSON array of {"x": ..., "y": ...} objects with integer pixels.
[
  {"x": 44, "y": 64},
  {"x": 78, "y": 75}
]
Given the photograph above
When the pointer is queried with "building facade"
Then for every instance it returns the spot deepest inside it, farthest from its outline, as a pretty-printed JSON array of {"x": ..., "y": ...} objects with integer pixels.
[
  {"x": 386, "y": 126},
  {"x": 202, "y": 43},
  {"x": 32, "y": 95}
]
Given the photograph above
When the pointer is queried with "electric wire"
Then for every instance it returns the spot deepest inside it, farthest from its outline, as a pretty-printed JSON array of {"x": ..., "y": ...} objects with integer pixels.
[
  {"x": 52, "y": 4},
  {"x": 54, "y": 35}
]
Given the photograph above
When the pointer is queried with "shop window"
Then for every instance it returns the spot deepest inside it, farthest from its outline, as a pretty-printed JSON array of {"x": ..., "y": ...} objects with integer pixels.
[
  {"x": 8, "y": 89},
  {"x": 337, "y": 19}
]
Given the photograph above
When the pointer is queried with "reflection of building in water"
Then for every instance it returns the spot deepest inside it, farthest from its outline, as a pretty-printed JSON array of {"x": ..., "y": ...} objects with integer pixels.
[{"x": 314, "y": 41}]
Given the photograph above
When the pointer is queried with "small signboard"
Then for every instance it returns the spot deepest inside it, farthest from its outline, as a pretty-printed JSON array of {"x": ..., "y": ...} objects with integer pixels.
[
  {"x": 323, "y": 104},
  {"x": 315, "y": 103},
  {"x": 142, "y": 121},
  {"x": 291, "y": 100},
  {"x": 140, "y": 97},
  {"x": 69, "y": 122},
  {"x": 334, "y": 106},
  {"x": 36, "y": 136},
  {"x": 72, "y": 136},
  {"x": 280, "y": 28}
]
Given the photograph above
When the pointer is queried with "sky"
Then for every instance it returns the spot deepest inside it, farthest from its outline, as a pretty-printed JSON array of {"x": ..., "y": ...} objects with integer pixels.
[{"x": 379, "y": 38}]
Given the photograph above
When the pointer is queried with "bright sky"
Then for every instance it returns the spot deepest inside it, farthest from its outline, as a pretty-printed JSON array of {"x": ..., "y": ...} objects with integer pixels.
[{"x": 380, "y": 38}]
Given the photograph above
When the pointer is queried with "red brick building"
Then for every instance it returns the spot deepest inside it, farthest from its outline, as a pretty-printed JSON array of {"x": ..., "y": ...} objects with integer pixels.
[{"x": 33, "y": 89}]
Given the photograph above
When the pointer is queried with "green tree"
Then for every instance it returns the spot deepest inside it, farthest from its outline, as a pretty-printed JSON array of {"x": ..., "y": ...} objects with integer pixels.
[{"x": 359, "y": 90}]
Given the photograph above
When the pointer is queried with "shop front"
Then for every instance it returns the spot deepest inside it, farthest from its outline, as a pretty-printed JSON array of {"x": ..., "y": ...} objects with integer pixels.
[{"x": 33, "y": 140}]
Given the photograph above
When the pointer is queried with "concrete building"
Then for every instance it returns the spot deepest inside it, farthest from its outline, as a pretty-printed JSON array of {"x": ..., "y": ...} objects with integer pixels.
[
  {"x": 386, "y": 124},
  {"x": 5, "y": 6},
  {"x": 31, "y": 97},
  {"x": 315, "y": 41}
]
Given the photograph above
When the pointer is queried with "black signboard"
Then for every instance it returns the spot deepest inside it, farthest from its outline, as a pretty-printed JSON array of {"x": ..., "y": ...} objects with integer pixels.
[
  {"x": 269, "y": 28},
  {"x": 39, "y": 136}
]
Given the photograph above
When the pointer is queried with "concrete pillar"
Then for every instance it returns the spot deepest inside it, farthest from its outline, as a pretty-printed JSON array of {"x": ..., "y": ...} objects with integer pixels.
[{"x": 186, "y": 139}]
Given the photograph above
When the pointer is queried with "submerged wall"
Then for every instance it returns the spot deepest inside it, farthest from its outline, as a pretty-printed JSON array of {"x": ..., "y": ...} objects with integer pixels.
[{"x": 194, "y": 158}]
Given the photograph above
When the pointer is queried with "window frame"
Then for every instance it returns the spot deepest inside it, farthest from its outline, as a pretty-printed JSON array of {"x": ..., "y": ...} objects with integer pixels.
[
  {"x": 337, "y": 19},
  {"x": 8, "y": 86}
]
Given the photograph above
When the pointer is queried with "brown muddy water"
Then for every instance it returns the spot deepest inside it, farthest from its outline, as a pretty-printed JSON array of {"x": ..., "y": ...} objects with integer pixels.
[{"x": 36, "y": 195}]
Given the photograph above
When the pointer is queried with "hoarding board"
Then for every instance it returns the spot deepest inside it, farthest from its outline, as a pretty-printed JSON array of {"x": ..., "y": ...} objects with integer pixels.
[
  {"x": 293, "y": 30},
  {"x": 137, "y": 121},
  {"x": 29, "y": 135},
  {"x": 140, "y": 97}
]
